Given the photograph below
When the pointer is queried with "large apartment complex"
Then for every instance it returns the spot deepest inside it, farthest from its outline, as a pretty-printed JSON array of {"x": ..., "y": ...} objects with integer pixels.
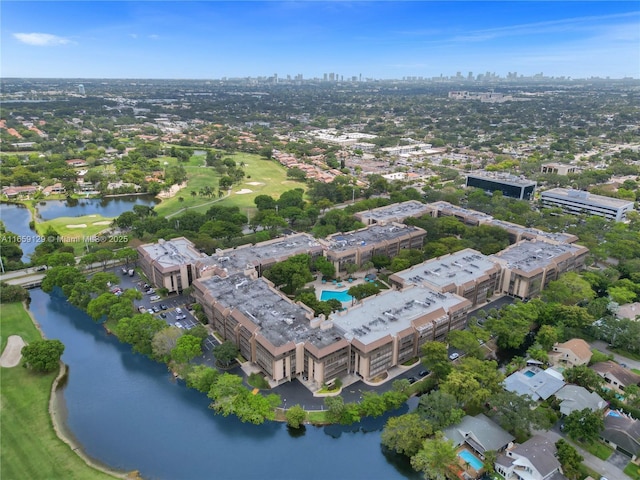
[
  {"x": 367, "y": 338},
  {"x": 578, "y": 202}
]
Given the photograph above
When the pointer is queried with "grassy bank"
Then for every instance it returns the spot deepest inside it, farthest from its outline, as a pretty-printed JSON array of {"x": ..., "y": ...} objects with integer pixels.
[
  {"x": 75, "y": 231},
  {"x": 29, "y": 446}
]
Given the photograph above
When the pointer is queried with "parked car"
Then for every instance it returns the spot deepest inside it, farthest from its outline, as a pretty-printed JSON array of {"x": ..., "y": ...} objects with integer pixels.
[
  {"x": 155, "y": 309},
  {"x": 412, "y": 379},
  {"x": 454, "y": 356},
  {"x": 178, "y": 310},
  {"x": 424, "y": 373},
  {"x": 154, "y": 298},
  {"x": 150, "y": 311},
  {"x": 163, "y": 315},
  {"x": 180, "y": 317},
  {"x": 163, "y": 306},
  {"x": 151, "y": 291}
]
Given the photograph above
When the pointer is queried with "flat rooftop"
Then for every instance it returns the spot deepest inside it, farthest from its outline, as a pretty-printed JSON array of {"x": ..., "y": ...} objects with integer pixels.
[
  {"x": 175, "y": 252},
  {"x": 390, "y": 312},
  {"x": 371, "y": 235},
  {"x": 395, "y": 212},
  {"x": 505, "y": 178},
  {"x": 529, "y": 255},
  {"x": 457, "y": 268},
  {"x": 581, "y": 196},
  {"x": 541, "y": 234},
  {"x": 249, "y": 256},
  {"x": 280, "y": 320},
  {"x": 451, "y": 209}
]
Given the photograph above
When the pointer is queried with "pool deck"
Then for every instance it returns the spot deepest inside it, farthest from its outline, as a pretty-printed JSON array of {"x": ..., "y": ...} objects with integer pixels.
[{"x": 358, "y": 278}]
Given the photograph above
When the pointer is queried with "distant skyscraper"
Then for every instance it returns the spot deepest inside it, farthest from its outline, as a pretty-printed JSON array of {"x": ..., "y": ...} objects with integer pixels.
[{"x": 81, "y": 89}]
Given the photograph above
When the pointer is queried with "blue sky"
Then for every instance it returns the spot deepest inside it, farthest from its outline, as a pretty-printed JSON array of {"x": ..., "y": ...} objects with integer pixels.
[{"x": 380, "y": 39}]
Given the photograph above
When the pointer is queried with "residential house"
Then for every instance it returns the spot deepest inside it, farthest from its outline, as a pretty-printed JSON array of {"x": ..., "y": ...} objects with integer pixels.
[
  {"x": 15, "y": 192},
  {"x": 622, "y": 433},
  {"x": 535, "y": 459},
  {"x": 615, "y": 375},
  {"x": 574, "y": 398},
  {"x": 480, "y": 434},
  {"x": 534, "y": 382},
  {"x": 56, "y": 188},
  {"x": 571, "y": 353}
]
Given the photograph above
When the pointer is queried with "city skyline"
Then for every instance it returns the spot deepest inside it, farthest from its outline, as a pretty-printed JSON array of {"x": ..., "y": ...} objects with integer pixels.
[{"x": 382, "y": 40}]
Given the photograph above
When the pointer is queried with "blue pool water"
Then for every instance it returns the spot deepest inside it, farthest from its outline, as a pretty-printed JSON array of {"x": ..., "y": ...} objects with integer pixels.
[
  {"x": 343, "y": 296},
  {"x": 613, "y": 414},
  {"x": 529, "y": 373},
  {"x": 469, "y": 457}
]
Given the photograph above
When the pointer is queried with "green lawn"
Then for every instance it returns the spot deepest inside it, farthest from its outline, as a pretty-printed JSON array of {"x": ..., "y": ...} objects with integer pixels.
[
  {"x": 29, "y": 447},
  {"x": 318, "y": 417},
  {"x": 633, "y": 471},
  {"x": 72, "y": 231},
  {"x": 598, "y": 449},
  {"x": 263, "y": 177}
]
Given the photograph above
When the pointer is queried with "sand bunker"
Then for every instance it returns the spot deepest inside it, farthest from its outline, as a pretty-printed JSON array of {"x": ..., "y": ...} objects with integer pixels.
[
  {"x": 243, "y": 191},
  {"x": 254, "y": 183},
  {"x": 12, "y": 352},
  {"x": 79, "y": 225},
  {"x": 104, "y": 222}
]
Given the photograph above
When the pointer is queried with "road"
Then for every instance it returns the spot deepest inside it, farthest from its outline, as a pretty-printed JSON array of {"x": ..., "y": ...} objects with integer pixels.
[
  {"x": 603, "y": 467},
  {"x": 604, "y": 347}
]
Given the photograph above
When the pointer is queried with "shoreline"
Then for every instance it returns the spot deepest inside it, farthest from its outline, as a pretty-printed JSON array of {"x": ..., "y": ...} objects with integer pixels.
[{"x": 58, "y": 413}]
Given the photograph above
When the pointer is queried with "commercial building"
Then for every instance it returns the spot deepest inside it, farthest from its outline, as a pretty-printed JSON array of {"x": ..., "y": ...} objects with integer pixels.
[
  {"x": 170, "y": 264},
  {"x": 467, "y": 273},
  {"x": 529, "y": 266},
  {"x": 396, "y": 212},
  {"x": 559, "y": 168},
  {"x": 359, "y": 246},
  {"x": 510, "y": 185},
  {"x": 468, "y": 217},
  {"x": 578, "y": 202}
]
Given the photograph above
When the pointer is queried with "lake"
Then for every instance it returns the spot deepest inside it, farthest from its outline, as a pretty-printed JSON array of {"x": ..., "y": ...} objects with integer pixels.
[{"x": 129, "y": 413}]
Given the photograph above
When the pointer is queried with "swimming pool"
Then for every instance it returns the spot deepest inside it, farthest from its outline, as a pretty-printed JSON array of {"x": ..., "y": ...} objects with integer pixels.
[
  {"x": 343, "y": 296},
  {"x": 471, "y": 459},
  {"x": 529, "y": 373}
]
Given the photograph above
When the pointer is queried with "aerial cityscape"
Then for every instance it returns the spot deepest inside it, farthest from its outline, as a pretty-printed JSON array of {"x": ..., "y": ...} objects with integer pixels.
[{"x": 306, "y": 239}]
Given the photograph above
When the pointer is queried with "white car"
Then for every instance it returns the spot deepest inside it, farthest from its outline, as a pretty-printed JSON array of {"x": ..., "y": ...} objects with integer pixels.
[
  {"x": 454, "y": 356},
  {"x": 154, "y": 298}
]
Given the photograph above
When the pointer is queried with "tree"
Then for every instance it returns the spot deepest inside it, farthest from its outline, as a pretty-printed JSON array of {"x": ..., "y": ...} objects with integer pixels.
[
  {"x": 405, "y": 434},
  {"x": 363, "y": 290},
  {"x": 547, "y": 336},
  {"x": 296, "y": 416},
  {"x": 139, "y": 331},
  {"x": 440, "y": 409},
  {"x": 225, "y": 353},
  {"x": 201, "y": 377},
  {"x": 465, "y": 341},
  {"x": 570, "y": 460},
  {"x": 569, "y": 289},
  {"x": 187, "y": 348},
  {"x": 43, "y": 355},
  {"x": 435, "y": 357},
  {"x": 584, "y": 424},
  {"x": 435, "y": 457},
  {"x": 583, "y": 376},
  {"x": 164, "y": 342},
  {"x": 324, "y": 266},
  {"x": 380, "y": 261},
  {"x": 514, "y": 413}
]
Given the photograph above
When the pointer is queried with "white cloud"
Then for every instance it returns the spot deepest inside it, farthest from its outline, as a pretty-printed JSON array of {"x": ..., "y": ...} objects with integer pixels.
[{"x": 42, "y": 39}]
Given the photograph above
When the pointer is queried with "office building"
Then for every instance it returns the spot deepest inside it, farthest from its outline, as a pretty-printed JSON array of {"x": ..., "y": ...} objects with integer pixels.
[
  {"x": 396, "y": 212},
  {"x": 510, "y": 185},
  {"x": 578, "y": 202}
]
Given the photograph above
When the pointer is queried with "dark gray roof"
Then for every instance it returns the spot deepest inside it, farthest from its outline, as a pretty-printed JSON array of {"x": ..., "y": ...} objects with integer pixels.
[
  {"x": 481, "y": 431},
  {"x": 575, "y": 398},
  {"x": 540, "y": 451},
  {"x": 624, "y": 432}
]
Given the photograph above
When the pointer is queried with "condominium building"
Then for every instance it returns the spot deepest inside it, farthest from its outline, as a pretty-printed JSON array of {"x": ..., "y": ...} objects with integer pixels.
[
  {"x": 467, "y": 273},
  {"x": 253, "y": 260},
  {"x": 465, "y": 215},
  {"x": 170, "y": 264},
  {"x": 559, "y": 168},
  {"x": 285, "y": 340},
  {"x": 359, "y": 246},
  {"x": 510, "y": 185},
  {"x": 396, "y": 212},
  {"x": 577, "y": 202},
  {"x": 389, "y": 328},
  {"x": 529, "y": 266}
]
